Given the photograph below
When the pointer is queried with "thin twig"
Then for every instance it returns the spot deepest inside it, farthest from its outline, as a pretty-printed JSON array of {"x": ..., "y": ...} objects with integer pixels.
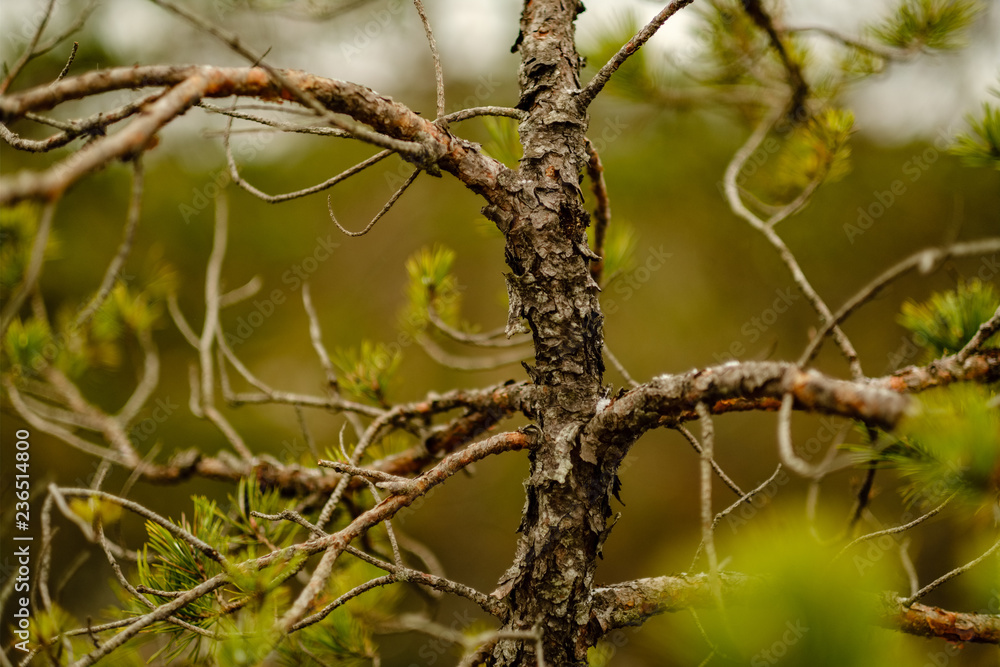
[
  {"x": 693, "y": 441},
  {"x": 950, "y": 575},
  {"x": 319, "y": 187},
  {"x": 69, "y": 61},
  {"x": 786, "y": 449},
  {"x": 385, "y": 209},
  {"x": 925, "y": 260},
  {"x": 596, "y": 84},
  {"x": 740, "y": 209},
  {"x": 707, "y": 526},
  {"x": 29, "y": 51},
  {"x": 417, "y": 151},
  {"x": 175, "y": 530},
  {"x": 495, "y": 338},
  {"x": 619, "y": 367},
  {"x": 896, "y": 529},
  {"x": 602, "y": 209},
  {"x": 438, "y": 73},
  {"x": 468, "y": 363}
]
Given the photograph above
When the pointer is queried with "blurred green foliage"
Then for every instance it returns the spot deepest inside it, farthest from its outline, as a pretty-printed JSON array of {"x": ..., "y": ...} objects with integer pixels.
[
  {"x": 947, "y": 321},
  {"x": 934, "y": 24}
]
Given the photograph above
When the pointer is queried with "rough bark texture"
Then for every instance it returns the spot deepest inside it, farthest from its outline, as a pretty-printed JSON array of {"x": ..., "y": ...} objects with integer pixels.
[{"x": 550, "y": 288}]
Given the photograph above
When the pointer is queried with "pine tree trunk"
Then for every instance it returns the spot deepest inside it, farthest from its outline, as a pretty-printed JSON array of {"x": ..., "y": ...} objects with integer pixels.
[{"x": 551, "y": 288}]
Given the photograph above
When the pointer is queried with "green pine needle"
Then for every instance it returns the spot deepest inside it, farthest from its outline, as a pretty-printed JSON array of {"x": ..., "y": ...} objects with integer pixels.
[
  {"x": 931, "y": 24},
  {"x": 981, "y": 147},
  {"x": 947, "y": 321},
  {"x": 949, "y": 445}
]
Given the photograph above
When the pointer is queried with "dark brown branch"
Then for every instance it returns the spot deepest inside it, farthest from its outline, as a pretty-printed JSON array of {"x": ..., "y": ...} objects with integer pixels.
[
  {"x": 602, "y": 210},
  {"x": 800, "y": 89}
]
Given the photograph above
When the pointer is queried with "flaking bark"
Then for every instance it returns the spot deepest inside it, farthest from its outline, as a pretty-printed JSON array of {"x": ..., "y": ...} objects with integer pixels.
[{"x": 552, "y": 290}]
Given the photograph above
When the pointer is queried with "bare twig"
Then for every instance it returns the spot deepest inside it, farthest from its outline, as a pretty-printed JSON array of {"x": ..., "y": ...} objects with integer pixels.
[
  {"x": 600, "y": 79},
  {"x": 463, "y": 363},
  {"x": 438, "y": 74},
  {"x": 385, "y": 209},
  {"x": 924, "y": 260},
  {"x": 693, "y": 441},
  {"x": 29, "y": 51},
  {"x": 740, "y": 209},
  {"x": 951, "y": 575},
  {"x": 707, "y": 525},
  {"x": 896, "y": 529},
  {"x": 495, "y": 338},
  {"x": 786, "y": 449}
]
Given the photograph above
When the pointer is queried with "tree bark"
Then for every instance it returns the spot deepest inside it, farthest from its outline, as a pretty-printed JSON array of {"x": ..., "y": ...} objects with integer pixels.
[{"x": 550, "y": 287}]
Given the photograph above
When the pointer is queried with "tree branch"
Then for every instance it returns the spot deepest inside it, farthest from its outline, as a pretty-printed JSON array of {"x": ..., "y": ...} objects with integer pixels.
[
  {"x": 191, "y": 83},
  {"x": 600, "y": 79},
  {"x": 761, "y": 385},
  {"x": 631, "y": 603}
]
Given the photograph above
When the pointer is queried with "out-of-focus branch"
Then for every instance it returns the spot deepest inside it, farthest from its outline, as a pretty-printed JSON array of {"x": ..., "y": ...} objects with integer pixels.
[
  {"x": 923, "y": 621},
  {"x": 602, "y": 210},
  {"x": 800, "y": 89},
  {"x": 767, "y": 229},
  {"x": 33, "y": 270},
  {"x": 632, "y": 603}
]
